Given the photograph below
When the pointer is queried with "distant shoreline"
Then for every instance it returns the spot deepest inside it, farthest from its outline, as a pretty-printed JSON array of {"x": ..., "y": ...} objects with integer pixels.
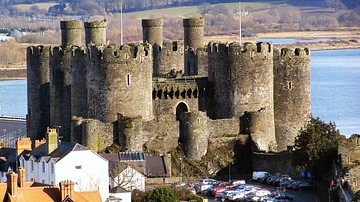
[{"x": 8, "y": 72}]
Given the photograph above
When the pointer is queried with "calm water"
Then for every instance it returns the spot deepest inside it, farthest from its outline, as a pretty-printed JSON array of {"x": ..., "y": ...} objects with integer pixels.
[{"x": 335, "y": 90}]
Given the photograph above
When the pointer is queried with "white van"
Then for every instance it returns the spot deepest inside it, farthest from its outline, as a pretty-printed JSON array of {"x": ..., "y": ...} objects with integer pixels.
[{"x": 259, "y": 175}]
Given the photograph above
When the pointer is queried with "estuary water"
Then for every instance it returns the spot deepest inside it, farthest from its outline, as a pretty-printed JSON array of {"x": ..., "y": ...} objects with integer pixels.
[{"x": 335, "y": 90}]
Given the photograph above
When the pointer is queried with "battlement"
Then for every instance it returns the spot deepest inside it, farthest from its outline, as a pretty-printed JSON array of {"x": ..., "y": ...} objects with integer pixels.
[
  {"x": 286, "y": 52},
  {"x": 38, "y": 50},
  {"x": 173, "y": 46},
  {"x": 259, "y": 47},
  {"x": 194, "y": 22},
  {"x": 158, "y": 22},
  {"x": 175, "y": 91},
  {"x": 71, "y": 24},
  {"x": 218, "y": 47},
  {"x": 60, "y": 51},
  {"x": 116, "y": 53},
  {"x": 95, "y": 24}
]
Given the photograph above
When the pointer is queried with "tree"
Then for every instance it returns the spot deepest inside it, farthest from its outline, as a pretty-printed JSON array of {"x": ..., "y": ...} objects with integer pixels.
[
  {"x": 161, "y": 194},
  {"x": 316, "y": 146}
]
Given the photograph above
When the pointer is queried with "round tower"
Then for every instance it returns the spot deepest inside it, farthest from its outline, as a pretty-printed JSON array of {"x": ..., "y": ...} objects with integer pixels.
[
  {"x": 251, "y": 82},
  {"x": 38, "y": 115},
  {"x": 255, "y": 124},
  {"x": 194, "y": 32},
  {"x": 95, "y": 32},
  {"x": 291, "y": 94},
  {"x": 196, "y": 134},
  {"x": 60, "y": 90},
  {"x": 153, "y": 31},
  {"x": 71, "y": 32},
  {"x": 120, "y": 81}
]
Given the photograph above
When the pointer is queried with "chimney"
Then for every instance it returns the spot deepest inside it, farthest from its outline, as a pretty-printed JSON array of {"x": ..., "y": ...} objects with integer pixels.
[
  {"x": 2, "y": 144},
  {"x": 66, "y": 189},
  {"x": 39, "y": 142},
  {"x": 21, "y": 177},
  {"x": 51, "y": 140},
  {"x": 22, "y": 144},
  {"x": 12, "y": 183}
]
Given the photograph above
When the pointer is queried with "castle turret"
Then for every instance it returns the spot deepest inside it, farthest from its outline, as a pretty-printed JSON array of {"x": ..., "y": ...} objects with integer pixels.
[
  {"x": 95, "y": 32},
  {"x": 251, "y": 82},
  {"x": 120, "y": 81},
  {"x": 291, "y": 94},
  {"x": 193, "y": 32},
  {"x": 196, "y": 135},
  {"x": 168, "y": 58},
  {"x": 38, "y": 116},
  {"x": 71, "y": 32},
  {"x": 153, "y": 31}
]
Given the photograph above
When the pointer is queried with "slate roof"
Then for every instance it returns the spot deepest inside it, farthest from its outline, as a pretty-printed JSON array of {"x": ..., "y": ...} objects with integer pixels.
[
  {"x": 63, "y": 149},
  {"x": 7, "y": 159},
  {"x": 155, "y": 166}
]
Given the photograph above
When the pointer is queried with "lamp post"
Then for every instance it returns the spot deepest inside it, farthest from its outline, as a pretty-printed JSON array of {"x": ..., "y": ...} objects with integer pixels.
[
  {"x": 180, "y": 169},
  {"x": 231, "y": 154}
]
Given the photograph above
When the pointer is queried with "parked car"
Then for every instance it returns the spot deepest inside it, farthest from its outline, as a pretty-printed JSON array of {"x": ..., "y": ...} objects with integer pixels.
[{"x": 259, "y": 175}]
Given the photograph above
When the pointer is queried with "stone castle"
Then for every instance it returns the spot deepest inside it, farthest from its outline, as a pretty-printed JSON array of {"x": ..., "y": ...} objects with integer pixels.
[{"x": 158, "y": 94}]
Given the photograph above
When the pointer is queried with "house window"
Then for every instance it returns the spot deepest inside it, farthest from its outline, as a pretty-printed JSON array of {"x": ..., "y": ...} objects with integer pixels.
[
  {"x": 52, "y": 168},
  {"x": 78, "y": 167},
  {"x": 43, "y": 167},
  {"x": 32, "y": 165}
]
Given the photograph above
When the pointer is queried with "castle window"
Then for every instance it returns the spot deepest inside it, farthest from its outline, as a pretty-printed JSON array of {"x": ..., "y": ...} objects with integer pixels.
[
  {"x": 198, "y": 120},
  {"x": 128, "y": 79},
  {"x": 213, "y": 75},
  {"x": 290, "y": 85}
]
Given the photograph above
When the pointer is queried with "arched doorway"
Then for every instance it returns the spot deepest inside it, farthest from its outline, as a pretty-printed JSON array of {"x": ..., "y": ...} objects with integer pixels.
[{"x": 181, "y": 108}]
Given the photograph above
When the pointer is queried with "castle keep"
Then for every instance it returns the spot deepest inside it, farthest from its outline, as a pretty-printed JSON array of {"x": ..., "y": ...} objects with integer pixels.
[{"x": 160, "y": 94}]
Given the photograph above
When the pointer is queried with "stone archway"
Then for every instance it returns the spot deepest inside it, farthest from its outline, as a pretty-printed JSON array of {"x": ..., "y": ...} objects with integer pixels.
[{"x": 181, "y": 108}]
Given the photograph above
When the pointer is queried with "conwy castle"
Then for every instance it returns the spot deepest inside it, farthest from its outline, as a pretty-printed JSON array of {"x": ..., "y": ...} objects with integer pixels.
[{"x": 158, "y": 95}]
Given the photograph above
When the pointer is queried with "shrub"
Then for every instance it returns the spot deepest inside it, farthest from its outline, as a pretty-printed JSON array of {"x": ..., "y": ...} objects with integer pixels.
[{"x": 161, "y": 194}]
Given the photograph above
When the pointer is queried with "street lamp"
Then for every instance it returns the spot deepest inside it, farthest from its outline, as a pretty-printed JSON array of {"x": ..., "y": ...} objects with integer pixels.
[
  {"x": 180, "y": 169},
  {"x": 231, "y": 155}
]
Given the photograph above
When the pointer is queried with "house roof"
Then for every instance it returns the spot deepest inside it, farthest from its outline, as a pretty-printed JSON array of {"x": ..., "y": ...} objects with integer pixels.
[
  {"x": 125, "y": 156},
  {"x": 63, "y": 149},
  {"x": 155, "y": 166},
  {"x": 47, "y": 194},
  {"x": 118, "y": 189}
]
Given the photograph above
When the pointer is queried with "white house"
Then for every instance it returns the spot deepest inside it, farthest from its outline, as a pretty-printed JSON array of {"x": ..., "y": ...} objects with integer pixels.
[{"x": 53, "y": 162}]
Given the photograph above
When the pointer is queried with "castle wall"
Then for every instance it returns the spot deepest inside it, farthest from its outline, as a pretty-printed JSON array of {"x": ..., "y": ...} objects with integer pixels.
[
  {"x": 79, "y": 103},
  {"x": 291, "y": 94},
  {"x": 202, "y": 61},
  {"x": 71, "y": 32},
  {"x": 224, "y": 127},
  {"x": 38, "y": 115},
  {"x": 95, "y": 32},
  {"x": 60, "y": 90},
  {"x": 168, "y": 58},
  {"x": 120, "y": 81},
  {"x": 274, "y": 163}
]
